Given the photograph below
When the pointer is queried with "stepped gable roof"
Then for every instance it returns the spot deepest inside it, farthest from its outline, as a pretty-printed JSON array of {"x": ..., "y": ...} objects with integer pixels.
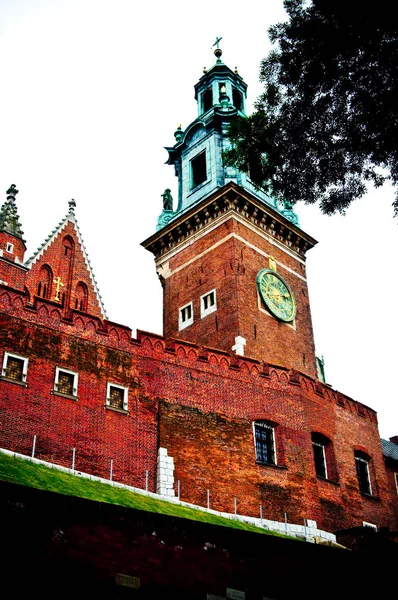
[
  {"x": 390, "y": 450},
  {"x": 9, "y": 219},
  {"x": 69, "y": 217}
]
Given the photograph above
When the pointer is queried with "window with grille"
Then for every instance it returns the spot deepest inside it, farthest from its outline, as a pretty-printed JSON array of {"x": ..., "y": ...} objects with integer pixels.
[
  {"x": 15, "y": 367},
  {"x": 208, "y": 303},
  {"x": 65, "y": 382},
  {"x": 116, "y": 396},
  {"x": 362, "y": 466},
  {"x": 264, "y": 435},
  {"x": 185, "y": 316}
]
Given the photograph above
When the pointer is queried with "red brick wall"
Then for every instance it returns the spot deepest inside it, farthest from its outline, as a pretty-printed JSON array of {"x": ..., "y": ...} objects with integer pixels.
[
  {"x": 231, "y": 267},
  {"x": 197, "y": 403}
]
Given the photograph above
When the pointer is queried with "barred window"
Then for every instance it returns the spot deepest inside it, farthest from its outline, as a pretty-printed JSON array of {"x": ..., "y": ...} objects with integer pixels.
[
  {"x": 117, "y": 396},
  {"x": 15, "y": 367},
  {"x": 65, "y": 382},
  {"x": 265, "y": 442}
]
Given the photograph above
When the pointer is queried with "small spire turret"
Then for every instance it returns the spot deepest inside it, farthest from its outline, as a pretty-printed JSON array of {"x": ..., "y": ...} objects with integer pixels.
[
  {"x": 9, "y": 220},
  {"x": 72, "y": 206}
]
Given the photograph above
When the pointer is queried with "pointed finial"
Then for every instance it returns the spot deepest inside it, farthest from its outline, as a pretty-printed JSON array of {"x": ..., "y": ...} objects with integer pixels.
[
  {"x": 236, "y": 71},
  {"x": 204, "y": 70},
  {"x": 178, "y": 134},
  {"x": 12, "y": 192},
  {"x": 217, "y": 51},
  {"x": 72, "y": 206}
]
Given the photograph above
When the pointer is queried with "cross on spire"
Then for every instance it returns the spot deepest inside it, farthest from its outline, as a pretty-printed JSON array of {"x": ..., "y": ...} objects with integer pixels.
[{"x": 216, "y": 43}]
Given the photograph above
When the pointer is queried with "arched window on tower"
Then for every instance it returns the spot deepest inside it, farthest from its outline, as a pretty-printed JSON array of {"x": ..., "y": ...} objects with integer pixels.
[
  {"x": 324, "y": 459},
  {"x": 363, "y": 463},
  {"x": 44, "y": 285},
  {"x": 81, "y": 297}
]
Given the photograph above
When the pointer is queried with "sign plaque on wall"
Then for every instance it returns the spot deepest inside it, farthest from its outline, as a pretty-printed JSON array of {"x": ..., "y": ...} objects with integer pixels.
[{"x": 127, "y": 580}]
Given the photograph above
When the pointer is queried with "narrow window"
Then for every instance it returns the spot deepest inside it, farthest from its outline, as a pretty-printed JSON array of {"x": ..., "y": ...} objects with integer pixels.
[
  {"x": 117, "y": 397},
  {"x": 45, "y": 282},
  {"x": 10, "y": 248},
  {"x": 15, "y": 367},
  {"x": 207, "y": 100},
  {"x": 198, "y": 169},
  {"x": 324, "y": 458},
  {"x": 265, "y": 442},
  {"x": 185, "y": 317},
  {"x": 396, "y": 481},
  {"x": 319, "y": 459},
  {"x": 362, "y": 465},
  {"x": 81, "y": 296},
  {"x": 237, "y": 99},
  {"x": 208, "y": 303},
  {"x": 68, "y": 246},
  {"x": 65, "y": 382}
]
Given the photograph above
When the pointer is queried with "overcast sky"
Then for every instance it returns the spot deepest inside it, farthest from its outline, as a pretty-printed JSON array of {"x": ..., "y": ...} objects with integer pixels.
[{"x": 93, "y": 90}]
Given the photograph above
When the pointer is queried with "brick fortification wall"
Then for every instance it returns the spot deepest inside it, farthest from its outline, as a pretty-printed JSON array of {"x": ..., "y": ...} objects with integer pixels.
[
  {"x": 87, "y": 548},
  {"x": 196, "y": 402}
]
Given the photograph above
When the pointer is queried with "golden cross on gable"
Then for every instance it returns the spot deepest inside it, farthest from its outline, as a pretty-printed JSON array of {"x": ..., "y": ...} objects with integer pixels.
[{"x": 58, "y": 284}]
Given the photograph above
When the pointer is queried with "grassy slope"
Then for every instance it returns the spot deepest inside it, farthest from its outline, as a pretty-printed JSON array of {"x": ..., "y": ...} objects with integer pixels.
[{"x": 19, "y": 471}]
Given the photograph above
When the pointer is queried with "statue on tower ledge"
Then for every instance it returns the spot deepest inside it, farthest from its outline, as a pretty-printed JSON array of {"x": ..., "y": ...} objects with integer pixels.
[{"x": 167, "y": 212}]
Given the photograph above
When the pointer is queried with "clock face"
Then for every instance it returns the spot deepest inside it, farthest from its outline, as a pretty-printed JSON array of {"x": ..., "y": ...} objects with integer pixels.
[{"x": 276, "y": 294}]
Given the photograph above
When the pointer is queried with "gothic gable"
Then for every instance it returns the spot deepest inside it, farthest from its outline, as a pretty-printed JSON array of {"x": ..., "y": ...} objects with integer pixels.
[{"x": 60, "y": 272}]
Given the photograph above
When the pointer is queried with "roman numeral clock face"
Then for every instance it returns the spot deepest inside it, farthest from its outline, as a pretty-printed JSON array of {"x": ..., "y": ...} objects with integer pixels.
[{"x": 276, "y": 294}]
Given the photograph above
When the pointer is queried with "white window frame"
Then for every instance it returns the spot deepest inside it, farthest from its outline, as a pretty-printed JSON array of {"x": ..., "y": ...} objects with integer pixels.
[
  {"x": 9, "y": 248},
  {"x": 125, "y": 389},
  {"x": 211, "y": 308},
  {"x": 184, "y": 323},
  {"x": 59, "y": 370},
  {"x": 24, "y": 368},
  {"x": 371, "y": 525}
]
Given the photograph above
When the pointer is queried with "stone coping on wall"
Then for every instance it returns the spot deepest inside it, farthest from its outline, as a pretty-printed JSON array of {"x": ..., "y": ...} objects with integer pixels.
[{"x": 303, "y": 532}]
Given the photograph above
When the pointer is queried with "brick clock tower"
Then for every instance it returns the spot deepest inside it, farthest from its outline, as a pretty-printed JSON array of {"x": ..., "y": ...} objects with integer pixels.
[{"x": 231, "y": 261}]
